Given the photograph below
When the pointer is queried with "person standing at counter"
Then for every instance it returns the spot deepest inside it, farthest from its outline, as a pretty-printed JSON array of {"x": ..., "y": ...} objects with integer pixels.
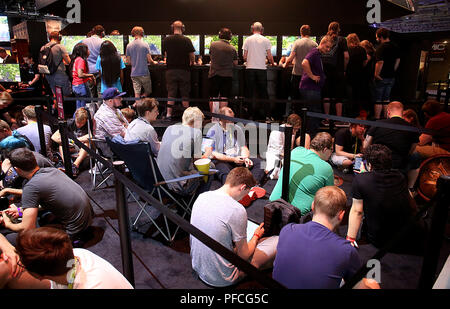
[
  {"x": 300, "y": 49},
  {"x": 138, "y": 54},
  {"x": 179, "y": 54},
  {"x": 94, "y": 41},
  {"x": 257, "y": 49},
  {"x": 110, "y": 65},
  {"x": 223, "y": 58}
]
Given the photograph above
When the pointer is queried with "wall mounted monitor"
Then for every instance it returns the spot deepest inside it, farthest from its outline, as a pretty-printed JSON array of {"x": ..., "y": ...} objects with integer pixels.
[
  {"x": 212, "y": 38},
  {"x": 4, "y": 29},
  {"x": 10, "y": 73},
  {"x": 117, "y": 40},
  {"x": 154, "y": 41},
  {"x": 273, "y": 42},
  {"x": 69, "y": 41},
  {"x": 196, "y": 42},
  {"x": 287, "y": 43}
]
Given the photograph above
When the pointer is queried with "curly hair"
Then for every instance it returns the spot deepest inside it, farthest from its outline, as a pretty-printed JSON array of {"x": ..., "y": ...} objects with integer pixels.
[{"x": 379, "y": 157}]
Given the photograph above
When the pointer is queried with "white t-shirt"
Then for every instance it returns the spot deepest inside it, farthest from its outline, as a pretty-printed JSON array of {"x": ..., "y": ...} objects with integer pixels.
[
  {"x": 257, "y": 47},
  {"x": 95, "y": 273},
  {"x": 222, "y": 218}
]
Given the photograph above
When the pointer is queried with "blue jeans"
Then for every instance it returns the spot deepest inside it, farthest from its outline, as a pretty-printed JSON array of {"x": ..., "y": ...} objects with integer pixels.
[
  {"x": 81, "y": 91},
  {"x": 313, "y": 101},
  {"x": 383, "y": 90}
]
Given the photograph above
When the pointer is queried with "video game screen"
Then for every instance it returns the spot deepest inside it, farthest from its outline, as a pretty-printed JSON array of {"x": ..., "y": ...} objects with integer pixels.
[
  {"x": 196, "y": 42},
  {"x": 4, "y": 29},
  {"x": 70, "y": 41},
  {"x": 287, "y": 42},
  {"x": 154, "y": 41},
  {"x": 117, "y": 40},
  {"x": 273, "y": 42},
  {"x": 10, "y": 72},
  {"x": 212, "y": 38}
]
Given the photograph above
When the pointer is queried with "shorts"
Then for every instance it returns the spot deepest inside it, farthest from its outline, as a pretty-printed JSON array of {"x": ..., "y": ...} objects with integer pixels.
[
  {"x": 140, "y": 82},
  {"x": 338, "y": 160},
  {"x": 335, "y": 85},
  {"x": 220, "y": 85},
  {"x": 178, "y": 80}
]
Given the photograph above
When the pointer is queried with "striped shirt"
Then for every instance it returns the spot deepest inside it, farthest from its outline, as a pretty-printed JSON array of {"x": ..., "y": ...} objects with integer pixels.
[{"x": 109, "y": 122}]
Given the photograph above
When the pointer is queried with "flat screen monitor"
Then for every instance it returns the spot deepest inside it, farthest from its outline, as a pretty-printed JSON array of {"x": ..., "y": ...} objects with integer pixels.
[
  {"x": 287, "y": 42},
  {"x": 10, "y": 73},
  {"x": 117, "y": 40},
  {"x": 273, "y": 42},
  {"x": 4, "y": 29},
  {"x": 70, "y": 41},
  {"x": 212, "y": 38},
  {"x": 196, "y": 42},
  {"x": 154, "y": 41}
]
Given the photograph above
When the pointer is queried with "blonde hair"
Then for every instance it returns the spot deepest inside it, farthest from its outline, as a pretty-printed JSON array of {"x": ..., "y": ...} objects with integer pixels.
[
  {"x": 5, "y": 98},
  {"x": 29, "y": 112},
  {"x": 191, "y": 114},
  {"x": 325, "y": 39},
  {"x": 353, "y": 40},
  {"x": 330, "y": 201},
  {"x": 81, "y": 114}
]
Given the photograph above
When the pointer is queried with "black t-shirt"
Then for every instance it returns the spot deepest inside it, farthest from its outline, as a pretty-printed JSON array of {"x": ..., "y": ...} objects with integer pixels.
[
  {"x": 78, "y": 132},
  {"x": 399, "y": 142},
  {"x": 355, "y": 65},
  {"x": 335, "y": 58},
  {"x": 387, "y": 52},
  {"x": 177, "y": 47},
  {"x": 386, "y": 203},
  {"x": 344, "y": 138},
  {"x": 28, "y": 72}
]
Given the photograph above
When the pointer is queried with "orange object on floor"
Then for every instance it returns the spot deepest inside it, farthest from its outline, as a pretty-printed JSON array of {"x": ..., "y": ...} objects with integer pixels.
[{"x": 255, "y": 193}]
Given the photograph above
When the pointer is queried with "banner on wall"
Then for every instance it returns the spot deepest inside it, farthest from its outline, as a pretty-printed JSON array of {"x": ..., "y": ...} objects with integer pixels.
[{"x": 438, "y": 51}]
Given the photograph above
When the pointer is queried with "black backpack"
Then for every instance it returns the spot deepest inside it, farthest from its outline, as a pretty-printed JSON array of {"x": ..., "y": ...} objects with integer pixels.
[
  {"x": 277, "y": 214},
  {"x": 46, "y": 64}
]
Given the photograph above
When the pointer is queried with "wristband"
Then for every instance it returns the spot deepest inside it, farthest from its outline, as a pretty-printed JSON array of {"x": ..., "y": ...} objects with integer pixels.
[
  {"x": 19, "y": 209},
  {"x": 351, "y": 239},
  {"x": 257, "y": 235}
]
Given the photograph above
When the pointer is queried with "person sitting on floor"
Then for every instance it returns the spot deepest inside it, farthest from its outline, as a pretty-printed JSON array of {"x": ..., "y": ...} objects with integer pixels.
[
  {"x": 312, "y": 255},
  {"x": 79, "y": 127},
  {"x": 219, "y": 214},
  {"x": 5, "y": 101},
  {"x": 381, "y": 202},
  {"x": 309, "y": 172},
  {"x": 141, "y": 127},
  {"x": 31, "y": 130},
  {"x": 12, "y": 275},
  {"x": 275, "y": 147},
  {"x": 10, "y": 140},
  {"x": 180, "y": 147},
  {"x": 228, "y": 148},
  {"x": 439, "y": 121},
  {"x": 53, "y": 191},
  {"x": 348, "y": 145},
  {"x": 47, "y": 253}
]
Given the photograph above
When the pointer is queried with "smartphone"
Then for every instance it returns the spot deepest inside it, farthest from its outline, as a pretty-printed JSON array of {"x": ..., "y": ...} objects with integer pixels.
[
  {"x": 4, "y": 203},
  {"x": 357, "y": 164}
]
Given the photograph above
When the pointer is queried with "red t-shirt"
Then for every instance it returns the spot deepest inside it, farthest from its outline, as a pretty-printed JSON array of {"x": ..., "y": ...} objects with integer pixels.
[
  {"x": 79, "y": 64},
  {"x": 441, "y": 124}
]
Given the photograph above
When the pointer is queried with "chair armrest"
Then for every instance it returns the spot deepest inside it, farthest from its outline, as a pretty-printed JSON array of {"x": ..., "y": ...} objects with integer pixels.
[{"x": 193, "y": 176}]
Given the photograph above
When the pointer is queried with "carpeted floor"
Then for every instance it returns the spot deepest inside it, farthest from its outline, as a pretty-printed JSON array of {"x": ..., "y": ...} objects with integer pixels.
[{"x": 158, "y": 265}]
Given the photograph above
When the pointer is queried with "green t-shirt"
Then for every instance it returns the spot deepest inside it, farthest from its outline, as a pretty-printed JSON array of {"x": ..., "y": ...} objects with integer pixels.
[{"x": 308, "y": 174}]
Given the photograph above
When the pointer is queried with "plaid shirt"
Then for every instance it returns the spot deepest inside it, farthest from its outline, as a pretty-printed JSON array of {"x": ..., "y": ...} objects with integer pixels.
[{"x": 109, "y": 122}]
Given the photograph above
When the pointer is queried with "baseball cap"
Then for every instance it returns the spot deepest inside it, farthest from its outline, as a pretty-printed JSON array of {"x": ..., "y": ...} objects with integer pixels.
[{"x": 112, "y": 93}]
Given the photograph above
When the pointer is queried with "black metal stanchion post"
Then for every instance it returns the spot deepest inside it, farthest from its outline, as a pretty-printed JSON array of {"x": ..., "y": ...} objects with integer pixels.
[
  {"x": 304, "y": 126},
  {"x": 65, "y": 147},
  {"x": 40, "y": 124},
  {"x": 287, "y": 162},
  {"x": 124, "y": 228},
  {"x": 436, "y": 234}
]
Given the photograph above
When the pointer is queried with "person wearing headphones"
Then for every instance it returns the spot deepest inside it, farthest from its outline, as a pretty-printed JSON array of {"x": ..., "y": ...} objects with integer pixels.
[
  {"x": 178, "y": 52},
  {"x": 61, "y": 59},
  {"x": 257, "y": 49}
]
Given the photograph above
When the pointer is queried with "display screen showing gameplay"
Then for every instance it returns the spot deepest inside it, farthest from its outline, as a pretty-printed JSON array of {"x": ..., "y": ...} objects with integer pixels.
[
  {"x": 4, "y": 29},
  {"x": 70, "y": 41},
  {"x": 212, "y": 38},
  {"x": 196, "y": 42},
  {"x": 10, "y": 73},
  {"x": 117, "y": 40}
]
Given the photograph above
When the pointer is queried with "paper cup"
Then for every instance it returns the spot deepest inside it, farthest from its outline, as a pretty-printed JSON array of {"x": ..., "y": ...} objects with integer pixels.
[{"x": 202, "y": 166}]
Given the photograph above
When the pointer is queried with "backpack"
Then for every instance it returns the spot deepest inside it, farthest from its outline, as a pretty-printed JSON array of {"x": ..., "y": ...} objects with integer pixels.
[
  {"x": 46, "y": 64},
  {"x": 277, "y": 214}
]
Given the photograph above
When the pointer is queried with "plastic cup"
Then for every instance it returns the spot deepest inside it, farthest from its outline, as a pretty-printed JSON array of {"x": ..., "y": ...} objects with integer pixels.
[{"x": 202, "y": 166}]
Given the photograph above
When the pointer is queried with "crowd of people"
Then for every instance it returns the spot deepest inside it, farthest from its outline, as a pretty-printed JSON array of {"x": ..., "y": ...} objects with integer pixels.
[{"x": 307, "y": 255}]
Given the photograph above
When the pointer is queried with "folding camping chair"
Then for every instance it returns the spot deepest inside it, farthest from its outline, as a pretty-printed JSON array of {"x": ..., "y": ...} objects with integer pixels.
[{"x": 139, "y": 159}]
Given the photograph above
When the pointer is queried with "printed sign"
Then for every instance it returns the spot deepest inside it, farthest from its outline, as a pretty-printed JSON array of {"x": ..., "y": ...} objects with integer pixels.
[{"x": 59, "y": 102}]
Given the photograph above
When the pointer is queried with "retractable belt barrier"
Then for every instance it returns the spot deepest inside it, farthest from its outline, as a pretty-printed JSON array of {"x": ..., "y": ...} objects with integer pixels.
[{"x": 182, "y": 223}]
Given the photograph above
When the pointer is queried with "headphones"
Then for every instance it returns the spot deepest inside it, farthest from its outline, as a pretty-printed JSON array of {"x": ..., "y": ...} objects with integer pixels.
[
  {"x": 252, "y": 27},
  {"x": 183, "y": 28}
]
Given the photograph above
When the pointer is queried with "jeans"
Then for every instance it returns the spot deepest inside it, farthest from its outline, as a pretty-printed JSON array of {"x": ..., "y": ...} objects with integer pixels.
[
  {"x": 81, "y": 91},
  {"x": 383, "y": 90},
  {"x": 60, "y": 79},
  {"x": 313, "y": 101}
]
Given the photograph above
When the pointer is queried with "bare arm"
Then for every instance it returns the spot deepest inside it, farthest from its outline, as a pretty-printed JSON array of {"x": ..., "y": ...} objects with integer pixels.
[
  {"x": 340, "y": 152},
  {"x": 346, "y": 60},
  {"x": 378, "y": 67},
  {"x": 28, "y": 220},
  {"x": 66, "y": 59},
  {"x": 425, "y": 139},
  {"x": 397, "y": 63},
  {"x": 245, "y": 250},
  {"x": 270, "y": 57},
  {"x": 367, "y": 142},
  {"x": 289, "y": 59},
  {"x": 150, "y": 59},
  {"x": 6, "y": 191},
  {"x": 192, "y": 58},
  {"x": 245, "y": 54},
  {"x": 355, "y": 218}
]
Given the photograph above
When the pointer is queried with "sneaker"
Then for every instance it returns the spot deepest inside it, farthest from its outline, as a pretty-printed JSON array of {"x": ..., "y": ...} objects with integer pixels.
[{"x": 325, "y": 122}]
